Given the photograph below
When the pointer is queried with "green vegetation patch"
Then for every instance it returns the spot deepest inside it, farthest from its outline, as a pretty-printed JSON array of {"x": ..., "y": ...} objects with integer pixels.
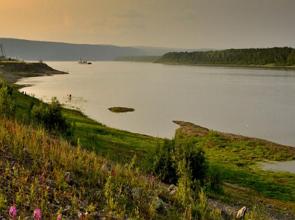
[
  {"x": 121, "y": 109},
  {"x": 236, "y": 157}
]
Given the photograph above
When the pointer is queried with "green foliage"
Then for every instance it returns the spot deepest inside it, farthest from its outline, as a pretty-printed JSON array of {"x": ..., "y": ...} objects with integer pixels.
[
  {"x": 163, "y": 162},
  {"x": 168, "y": 156},
  {"x": 51, "y": 117},
  {"x": 214, "y": 179},
  {"x": 278, "y": 56},
  {"x": 7, "y": 104},
  {"x": 3, "y": 202},
  {"x": 236, "y": 161},
  {"x": 193, "y": 157}
]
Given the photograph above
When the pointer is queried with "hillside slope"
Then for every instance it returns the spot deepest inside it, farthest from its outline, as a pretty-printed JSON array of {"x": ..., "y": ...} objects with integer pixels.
[{"x": 38, "y": 170}]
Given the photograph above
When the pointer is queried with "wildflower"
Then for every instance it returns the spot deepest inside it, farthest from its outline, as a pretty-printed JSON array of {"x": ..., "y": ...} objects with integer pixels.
[
  {"x": 37, "y": 214},
  {"x": 13, "y": 211},
  {"x": 82, "y": 216},
  {"x": 59, "y": 217}
]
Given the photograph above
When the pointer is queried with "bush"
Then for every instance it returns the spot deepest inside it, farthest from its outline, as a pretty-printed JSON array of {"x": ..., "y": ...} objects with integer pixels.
[
  {"x": 167, "y": 157},
  {"x": 163, "y": 163},
  {"x": 50, "y": 116},
  {"x": 214, "y": 180},
  {"x": 7, "y": 104},
  {"x": 194, "y": 157}
]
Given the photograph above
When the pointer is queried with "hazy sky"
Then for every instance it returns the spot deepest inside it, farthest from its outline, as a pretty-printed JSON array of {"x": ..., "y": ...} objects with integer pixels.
[{"x": 165, "y": 23}]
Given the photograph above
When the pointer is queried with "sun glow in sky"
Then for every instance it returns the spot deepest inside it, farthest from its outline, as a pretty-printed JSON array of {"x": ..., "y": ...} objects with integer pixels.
[{"x": 165, "y": 23}]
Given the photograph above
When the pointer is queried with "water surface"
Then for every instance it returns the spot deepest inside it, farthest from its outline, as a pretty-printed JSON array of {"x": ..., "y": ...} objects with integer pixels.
[
  {"x": 251, "y": 102},
  {"x": 284, "y": 166}
]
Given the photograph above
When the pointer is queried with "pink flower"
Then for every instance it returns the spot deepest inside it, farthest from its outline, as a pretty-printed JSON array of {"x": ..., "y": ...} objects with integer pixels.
[
  {"x": 37, "y": 214},
  {"x": 59, "y": 217},
  {"x": 13, "y": 211}
]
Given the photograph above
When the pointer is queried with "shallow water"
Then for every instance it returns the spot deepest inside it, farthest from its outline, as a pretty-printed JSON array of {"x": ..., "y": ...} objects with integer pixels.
[
  {"x": 285, "y": 166},
  {"x": 251, "y": 102}
]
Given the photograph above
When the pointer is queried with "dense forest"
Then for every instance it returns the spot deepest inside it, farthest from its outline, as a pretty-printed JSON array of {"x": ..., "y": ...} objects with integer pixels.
[{"x": 277, "y": 56}]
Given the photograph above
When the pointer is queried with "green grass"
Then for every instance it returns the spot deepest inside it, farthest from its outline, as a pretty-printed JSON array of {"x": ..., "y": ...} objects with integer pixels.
[
  {"x": 39, "y": 170},
  {"x": 236, "y": 158},
  {"x": 114, "y": 144}
]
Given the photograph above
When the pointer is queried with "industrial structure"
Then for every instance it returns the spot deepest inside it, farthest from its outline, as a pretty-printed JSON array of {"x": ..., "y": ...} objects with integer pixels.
[{"x": 2, "y": 51}]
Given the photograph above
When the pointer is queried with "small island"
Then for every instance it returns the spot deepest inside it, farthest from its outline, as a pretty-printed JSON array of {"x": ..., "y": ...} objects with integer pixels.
[{"x": 121, "y": 109}]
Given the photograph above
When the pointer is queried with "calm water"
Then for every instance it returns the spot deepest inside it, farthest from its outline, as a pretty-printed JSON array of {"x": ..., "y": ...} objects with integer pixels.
[
  {"x": 285, "y": 166},
  {"x": 252, "y": 102}
]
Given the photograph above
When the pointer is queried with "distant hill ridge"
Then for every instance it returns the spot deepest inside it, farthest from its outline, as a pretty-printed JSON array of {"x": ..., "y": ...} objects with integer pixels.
[
  {"x": 57, "y": 51},
  {"x": 277, "y": 56}
]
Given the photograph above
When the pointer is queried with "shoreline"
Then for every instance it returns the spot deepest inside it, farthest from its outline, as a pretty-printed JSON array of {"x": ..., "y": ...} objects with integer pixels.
[
  {"x": 196, "y": 130},
  {"x": 286, "y": 68},
  {"x": 14, "y": 71}
]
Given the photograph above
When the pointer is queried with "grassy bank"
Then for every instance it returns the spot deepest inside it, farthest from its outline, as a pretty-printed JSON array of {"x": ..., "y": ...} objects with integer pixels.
[
  {"x": 38, "y": 170},
  {"x": 237, "y": 158},
  {"x": 114, "y": 144}
]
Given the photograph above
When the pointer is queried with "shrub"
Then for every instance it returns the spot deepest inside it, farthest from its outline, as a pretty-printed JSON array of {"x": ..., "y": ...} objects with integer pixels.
[
  {"x": 163, "y": 163},
  {"x": 214, "y": 180},
  {"x": 194, "y": 157},
  {"x": 50, "y": 116},
  {"x": 167, "y": 157},
  {"x": 7, "y": 104}
]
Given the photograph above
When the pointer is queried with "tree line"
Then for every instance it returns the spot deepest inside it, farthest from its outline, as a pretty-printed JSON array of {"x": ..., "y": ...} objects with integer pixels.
[{"x": 277, "y": 56}]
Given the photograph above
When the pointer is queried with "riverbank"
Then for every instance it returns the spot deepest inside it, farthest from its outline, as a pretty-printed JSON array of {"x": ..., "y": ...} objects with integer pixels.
[
  {"x": 238, "y": 159},
  {"x": 235, "y": 156},
  {"x": 292, "y": 68},
  {"x": 12, "y": 71}
]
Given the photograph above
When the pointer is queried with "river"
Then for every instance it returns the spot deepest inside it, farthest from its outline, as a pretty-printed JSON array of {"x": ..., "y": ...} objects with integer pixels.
[{"x": 252, "y": 102}]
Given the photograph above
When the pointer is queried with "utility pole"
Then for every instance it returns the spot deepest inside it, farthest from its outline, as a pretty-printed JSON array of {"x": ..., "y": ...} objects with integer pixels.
[{"x": 2, "y": 50}]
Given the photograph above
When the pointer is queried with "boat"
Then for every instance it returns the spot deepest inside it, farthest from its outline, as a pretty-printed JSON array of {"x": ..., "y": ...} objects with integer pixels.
[{"x": 81, "y": 61}]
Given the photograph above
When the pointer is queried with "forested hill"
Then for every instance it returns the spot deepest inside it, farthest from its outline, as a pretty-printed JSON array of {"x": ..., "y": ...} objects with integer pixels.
[
  {"x": 58, "y": 51},
  {"x": 277, "y": 56}
]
